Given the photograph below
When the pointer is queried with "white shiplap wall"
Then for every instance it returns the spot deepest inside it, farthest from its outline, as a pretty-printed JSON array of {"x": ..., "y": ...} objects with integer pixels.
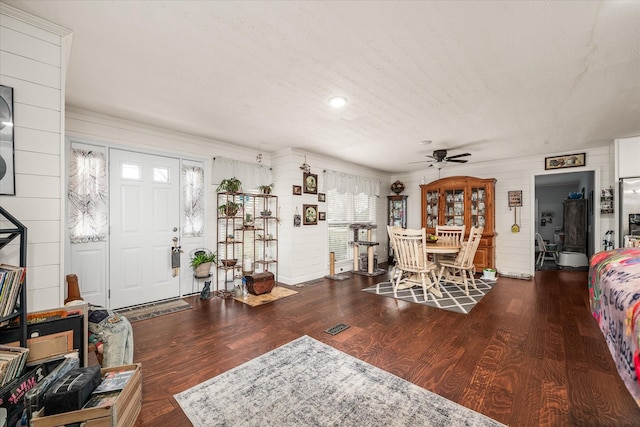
[
  {"x": 32, "y": 62},
  {"x": 514, "y": 251}
]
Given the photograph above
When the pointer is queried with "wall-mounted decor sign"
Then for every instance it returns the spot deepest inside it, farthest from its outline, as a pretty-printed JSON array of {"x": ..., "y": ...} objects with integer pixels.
[
  {"x": 309, "y": 214},
  {"x": 297, "y": 219},
  {"x": 565, "y": 161},
  {"x": 7, "y": 173},
  {"x": 310, "y": 184},
  {"x": 515, "y": 198}
]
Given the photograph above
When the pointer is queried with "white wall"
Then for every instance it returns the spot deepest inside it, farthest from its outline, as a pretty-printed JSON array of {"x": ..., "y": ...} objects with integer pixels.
[
  {"x": 303, "y": 252},
  {"x": 514, "y": 251},
  {"x": 32, "y": 62}
]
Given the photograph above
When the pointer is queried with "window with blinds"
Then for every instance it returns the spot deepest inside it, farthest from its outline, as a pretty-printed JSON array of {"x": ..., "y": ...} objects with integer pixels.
[{"x": 344, "y": 209}]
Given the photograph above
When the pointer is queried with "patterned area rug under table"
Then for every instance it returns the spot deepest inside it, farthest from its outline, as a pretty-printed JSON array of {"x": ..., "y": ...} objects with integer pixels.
[
  {"x": 306, "y": 382},
  {"x": 453, "y": 296}
]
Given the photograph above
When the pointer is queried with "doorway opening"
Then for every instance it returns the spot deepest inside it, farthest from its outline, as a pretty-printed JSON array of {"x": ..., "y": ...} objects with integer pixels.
[{"x": 564, "y": 217}]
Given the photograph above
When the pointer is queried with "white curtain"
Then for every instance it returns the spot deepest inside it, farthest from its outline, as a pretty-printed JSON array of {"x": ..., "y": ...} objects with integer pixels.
[
  {"x": 251, "y": 175},
  {"x": 87, "y": 195},
  {"x": 193, "y": 199},
  {"x": 351, "y": 184}
]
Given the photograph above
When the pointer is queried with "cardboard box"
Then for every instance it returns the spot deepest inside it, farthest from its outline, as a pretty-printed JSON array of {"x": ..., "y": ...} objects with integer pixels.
[{"x": 123, "y": 413}]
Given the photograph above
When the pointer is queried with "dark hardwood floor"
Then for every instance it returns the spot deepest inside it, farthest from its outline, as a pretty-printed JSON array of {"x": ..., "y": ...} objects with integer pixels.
[{"x": 528, "y": 354}]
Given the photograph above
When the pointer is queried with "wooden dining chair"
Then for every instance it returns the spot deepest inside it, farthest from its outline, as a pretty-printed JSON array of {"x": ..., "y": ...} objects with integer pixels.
[
  {"x": 411, "y": 260},
  {"x": 450, "y": 234},
  {"x": 461, "y": 270}
]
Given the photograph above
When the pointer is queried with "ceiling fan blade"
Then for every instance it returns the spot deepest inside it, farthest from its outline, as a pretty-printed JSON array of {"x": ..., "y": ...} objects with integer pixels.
[
  {"x": 456, "y": 160},
  {"x": 458, "y": 155}
]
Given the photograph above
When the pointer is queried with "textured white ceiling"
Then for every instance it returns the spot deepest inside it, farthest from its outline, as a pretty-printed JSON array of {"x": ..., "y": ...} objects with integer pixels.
[{"x": 496, "y": 79}]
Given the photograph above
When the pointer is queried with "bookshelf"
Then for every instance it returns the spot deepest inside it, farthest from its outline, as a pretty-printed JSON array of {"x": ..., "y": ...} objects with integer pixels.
[{"x": 16, "y": 231}]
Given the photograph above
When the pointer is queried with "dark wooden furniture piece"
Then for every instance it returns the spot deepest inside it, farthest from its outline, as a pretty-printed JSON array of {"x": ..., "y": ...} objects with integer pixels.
[
  {"x": 396, "y": 216},
  {"x": 463, "y": 200},
  {"x": 575, "y": 225},
  {"x": 18, "y": 230}
]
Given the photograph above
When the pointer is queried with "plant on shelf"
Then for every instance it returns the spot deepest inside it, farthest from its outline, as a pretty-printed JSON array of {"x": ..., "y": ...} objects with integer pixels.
[
  {"x": 230, "y": 208},
  {"x": 266, "y": 189},
  {"x": 201, "y": 261},
  {"x": 230, "y": 185},
  {"x": 248, "y": 219}
]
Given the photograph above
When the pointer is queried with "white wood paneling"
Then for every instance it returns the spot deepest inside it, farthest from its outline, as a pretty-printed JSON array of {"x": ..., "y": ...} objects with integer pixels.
[
  {"x": 38, "y": 164},
  {"x": 35, "y": 94},
  {"x": 37, "y": 186},
  {"x": 44, "y": 253},
  {"x": 43, "y": 231},
  {"x": 28, "y": 209},
  {"x": 37, "y": 141},
  {"x": 23, "y": 44},
  {"x": 29, "y": 69},
  {"x": 34, "y": 117}
]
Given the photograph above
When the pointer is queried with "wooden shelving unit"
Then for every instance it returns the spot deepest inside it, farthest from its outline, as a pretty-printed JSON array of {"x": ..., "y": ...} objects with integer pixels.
[{"x": 252, "y": 241}]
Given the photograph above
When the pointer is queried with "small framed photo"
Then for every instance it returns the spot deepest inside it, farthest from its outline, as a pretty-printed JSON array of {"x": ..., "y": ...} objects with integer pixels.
[
  {"x": 309, "y": 214},
  {"x": 565, "y": 161},
  {"x": 322, "y": 197},
  {"x": 297, "y": 190},
  {"x": 310, "y": 183},
  {"x": 322, "y": 216}
]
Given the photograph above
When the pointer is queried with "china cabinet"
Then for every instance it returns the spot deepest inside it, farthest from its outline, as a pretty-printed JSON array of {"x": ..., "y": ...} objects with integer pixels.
[
  {"x": 462, "y": 200},
  {"x": 397, "y": 216}
]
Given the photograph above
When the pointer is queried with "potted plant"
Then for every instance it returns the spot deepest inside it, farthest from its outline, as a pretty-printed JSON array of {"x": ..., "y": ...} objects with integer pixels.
[
  {"x": 230, "y": 185},
  {"x": 229, "y": 208},
  {"x": 266, "y": 189},
  {"x": 201, "y": 261}
]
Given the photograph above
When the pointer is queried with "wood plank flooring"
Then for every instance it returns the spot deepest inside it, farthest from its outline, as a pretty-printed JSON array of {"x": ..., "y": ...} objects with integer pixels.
[{"x": 528, "y": 354}]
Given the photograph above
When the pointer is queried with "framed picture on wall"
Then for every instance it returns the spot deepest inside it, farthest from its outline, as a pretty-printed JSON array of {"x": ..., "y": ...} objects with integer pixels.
[
  {"x": 310, "y": 183},
  {"x": 297, "y": 190},
  {"x": 310, "y": 214},
  {"x": 322, "y": 197},
  {"x": 565, "y": 161},
  {"x": 322, "y": 216},
  {"x": 7, "y": 172}
]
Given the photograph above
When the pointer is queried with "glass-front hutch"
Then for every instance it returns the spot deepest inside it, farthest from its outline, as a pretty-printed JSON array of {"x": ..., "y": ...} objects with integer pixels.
[
  {"x": 397, "y": 216},
  {"x": 463, "y": 200}
]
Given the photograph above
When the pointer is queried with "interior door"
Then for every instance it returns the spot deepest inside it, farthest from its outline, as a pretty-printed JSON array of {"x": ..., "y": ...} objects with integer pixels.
[{"x": 144, "y": 214}]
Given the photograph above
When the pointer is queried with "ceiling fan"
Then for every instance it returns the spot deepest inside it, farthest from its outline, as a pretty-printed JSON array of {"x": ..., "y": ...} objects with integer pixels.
[{"x": 440, "y": 156}]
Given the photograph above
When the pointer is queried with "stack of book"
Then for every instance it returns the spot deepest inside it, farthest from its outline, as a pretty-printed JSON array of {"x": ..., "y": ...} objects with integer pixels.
[
  {"x": 12, "y": 362},
  {"x": 11, "y": 279}
]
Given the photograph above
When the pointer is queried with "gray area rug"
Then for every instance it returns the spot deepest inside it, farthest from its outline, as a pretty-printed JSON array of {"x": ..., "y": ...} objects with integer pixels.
[
  {"x": 453, "y": 296},
  {"x": 148, "y": 311},
  {"x": 308, "y": 383}
]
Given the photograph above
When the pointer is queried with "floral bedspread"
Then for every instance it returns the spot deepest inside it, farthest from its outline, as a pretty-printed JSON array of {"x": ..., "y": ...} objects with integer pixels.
[{"x": 614, "y": 294}]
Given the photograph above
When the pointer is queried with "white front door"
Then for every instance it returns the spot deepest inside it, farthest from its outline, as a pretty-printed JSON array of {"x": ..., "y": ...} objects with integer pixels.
[{"x": 144, "y": 212}]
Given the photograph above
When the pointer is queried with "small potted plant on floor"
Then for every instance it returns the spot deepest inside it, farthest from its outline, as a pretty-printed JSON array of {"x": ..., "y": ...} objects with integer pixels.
[
  {"x": 201, "y": 261},
  {"x": 230, "y": 185}
]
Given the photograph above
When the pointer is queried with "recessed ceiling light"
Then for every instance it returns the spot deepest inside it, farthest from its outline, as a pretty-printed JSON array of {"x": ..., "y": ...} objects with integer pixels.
[{"x": 337, "y": 101}]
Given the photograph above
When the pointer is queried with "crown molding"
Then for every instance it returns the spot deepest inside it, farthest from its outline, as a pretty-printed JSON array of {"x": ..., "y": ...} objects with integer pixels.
[{"x": 33, "y": 20}]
